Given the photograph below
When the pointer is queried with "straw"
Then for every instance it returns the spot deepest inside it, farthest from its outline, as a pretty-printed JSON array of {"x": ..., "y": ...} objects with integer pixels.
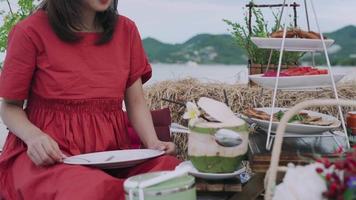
[{"x": 240, "y": 98}]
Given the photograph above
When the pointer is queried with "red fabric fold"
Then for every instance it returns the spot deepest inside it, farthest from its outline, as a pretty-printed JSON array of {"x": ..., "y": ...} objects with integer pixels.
[{"x": 161, "y": 120}]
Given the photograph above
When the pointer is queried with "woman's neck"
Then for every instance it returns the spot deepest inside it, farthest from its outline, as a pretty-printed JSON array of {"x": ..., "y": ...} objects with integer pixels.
[{"x": 88, "y": 21}]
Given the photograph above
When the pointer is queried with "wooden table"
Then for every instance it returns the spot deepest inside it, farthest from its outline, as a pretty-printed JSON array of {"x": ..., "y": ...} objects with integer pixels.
[
  {"x": 294, "y": 150},
  {"x": 250, "y": 190}
]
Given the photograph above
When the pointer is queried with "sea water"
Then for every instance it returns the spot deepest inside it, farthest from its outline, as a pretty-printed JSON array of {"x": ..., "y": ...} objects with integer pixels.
[{"x": 229, "y": 74}]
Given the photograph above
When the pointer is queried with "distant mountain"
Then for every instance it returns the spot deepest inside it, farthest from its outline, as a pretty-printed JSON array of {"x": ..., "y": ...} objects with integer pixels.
[
  {"x": 345, "y": 42},
  {"x": 158, "y": 51},
  {"x": 203, "y": 48},
  {"x": 222, "y": 49}
]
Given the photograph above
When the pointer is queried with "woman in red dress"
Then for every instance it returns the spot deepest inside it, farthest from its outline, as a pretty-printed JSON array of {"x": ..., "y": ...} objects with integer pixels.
[{"x": 74, "y": 62}]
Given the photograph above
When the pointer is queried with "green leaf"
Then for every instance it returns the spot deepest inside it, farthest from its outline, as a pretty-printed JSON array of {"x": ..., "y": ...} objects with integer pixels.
[
  {"x": 259, "y": 28},
  {"x": 281, "y": 113},
  {"x": 350, "y": 194}
]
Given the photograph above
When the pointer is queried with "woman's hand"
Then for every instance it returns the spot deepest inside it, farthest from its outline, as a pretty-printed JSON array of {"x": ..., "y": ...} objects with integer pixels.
[
  {"x": 43, "y": 150},
  {"x": 168, "y": 147}
]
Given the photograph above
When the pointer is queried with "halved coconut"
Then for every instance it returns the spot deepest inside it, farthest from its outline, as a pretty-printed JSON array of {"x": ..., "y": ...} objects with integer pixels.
[
  {"x": 219, "y": 111},
  {"x": 206, "y": 154}
]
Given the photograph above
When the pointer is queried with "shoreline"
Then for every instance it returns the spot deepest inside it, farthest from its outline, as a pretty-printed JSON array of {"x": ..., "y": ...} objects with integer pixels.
[{"x": 229, "y": 74}]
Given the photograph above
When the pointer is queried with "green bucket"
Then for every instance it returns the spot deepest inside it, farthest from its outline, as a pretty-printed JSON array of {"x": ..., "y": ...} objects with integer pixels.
[{"x": 181, "y": 188}]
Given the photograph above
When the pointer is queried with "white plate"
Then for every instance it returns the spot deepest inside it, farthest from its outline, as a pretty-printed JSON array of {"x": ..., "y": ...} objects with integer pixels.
[
  {"x": 296, "y": 82},
  {"x": 292, "y": 44},
  {"x": 295, "y": 128},
  {"x": 210, "y": 176},
  {"x": 114, "y": 159}
]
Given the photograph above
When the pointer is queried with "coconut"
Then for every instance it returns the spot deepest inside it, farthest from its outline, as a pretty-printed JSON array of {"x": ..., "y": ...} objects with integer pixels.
[{"x": 204, "y": 149}]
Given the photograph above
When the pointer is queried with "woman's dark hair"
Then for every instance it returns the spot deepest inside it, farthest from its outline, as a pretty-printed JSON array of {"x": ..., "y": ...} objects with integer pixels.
[{"x": 65, "y": 19}]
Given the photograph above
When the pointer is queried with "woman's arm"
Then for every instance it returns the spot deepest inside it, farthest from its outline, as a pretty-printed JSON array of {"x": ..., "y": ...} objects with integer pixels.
[
  {"x": 141, "y": 119},
  {"x": 41, "y": 148}
]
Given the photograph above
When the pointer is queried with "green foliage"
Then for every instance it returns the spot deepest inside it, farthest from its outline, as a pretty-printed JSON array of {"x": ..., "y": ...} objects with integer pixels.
[
  {"x": 259, "y": 28},
  {"x": 11, "y": 17},
  {"x": 279, "y": 115}
]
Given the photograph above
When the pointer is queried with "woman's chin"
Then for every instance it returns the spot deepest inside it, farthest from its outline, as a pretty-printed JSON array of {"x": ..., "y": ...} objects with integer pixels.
[{"x": 101, "y": 9}]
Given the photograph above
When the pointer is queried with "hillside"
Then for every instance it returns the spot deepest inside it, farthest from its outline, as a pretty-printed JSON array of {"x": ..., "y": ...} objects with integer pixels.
[
  {"x": 203, "y": 48},
  {"x": 222, "y": 49},
  {"x": 345, "y": 38}
]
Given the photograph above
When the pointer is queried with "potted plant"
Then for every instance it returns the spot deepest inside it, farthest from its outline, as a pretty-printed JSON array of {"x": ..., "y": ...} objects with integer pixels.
[{"x": 258, "y": 58}]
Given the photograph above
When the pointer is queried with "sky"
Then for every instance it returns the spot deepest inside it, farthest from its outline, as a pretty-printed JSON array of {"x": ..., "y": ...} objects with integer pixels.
[{"x": 175, "y": 21}]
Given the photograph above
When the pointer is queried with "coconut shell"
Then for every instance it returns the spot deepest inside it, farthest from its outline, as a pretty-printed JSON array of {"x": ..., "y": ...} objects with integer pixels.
[{"x": 219, "y": 111}]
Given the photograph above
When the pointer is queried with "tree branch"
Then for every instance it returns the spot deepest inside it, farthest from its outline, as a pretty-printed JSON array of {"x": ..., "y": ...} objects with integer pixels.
[{"x": 8, "y": 3}]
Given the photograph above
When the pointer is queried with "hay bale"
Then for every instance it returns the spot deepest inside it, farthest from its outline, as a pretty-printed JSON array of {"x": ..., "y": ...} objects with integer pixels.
[{"x": 240, "y": 97}]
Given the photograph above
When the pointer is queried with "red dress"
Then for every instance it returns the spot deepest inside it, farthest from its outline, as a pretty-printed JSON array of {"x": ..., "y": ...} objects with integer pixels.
[{"x": 74, "y": 93}]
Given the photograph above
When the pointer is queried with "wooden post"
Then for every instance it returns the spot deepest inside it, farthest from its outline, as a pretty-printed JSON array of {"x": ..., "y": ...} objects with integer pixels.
[
  {"x": 295, "y": 14},
  {"x": 251, "y": 5},
  {"x": 269, "y": 5}
]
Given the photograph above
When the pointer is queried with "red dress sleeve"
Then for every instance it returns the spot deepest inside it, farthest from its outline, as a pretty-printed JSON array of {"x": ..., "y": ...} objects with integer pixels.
[
  {"x": 139, "y": 65},
  {"x": 19, "y": 65}
]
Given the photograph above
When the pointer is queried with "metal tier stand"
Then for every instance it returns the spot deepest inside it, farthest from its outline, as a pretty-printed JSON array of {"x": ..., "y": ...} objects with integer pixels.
[{"x": 283, "y": 48}]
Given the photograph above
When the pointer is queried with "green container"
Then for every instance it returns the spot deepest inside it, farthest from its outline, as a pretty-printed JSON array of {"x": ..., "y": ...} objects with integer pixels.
[{"x": 181, "y": 188}]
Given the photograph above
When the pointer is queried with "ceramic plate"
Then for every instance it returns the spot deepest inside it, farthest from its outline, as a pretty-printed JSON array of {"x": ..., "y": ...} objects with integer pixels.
[
  {"x": 292, "y": 44},
  {"x": 296, "y": 128},
  {"x": 210, "y": 176},
  {"x": 114, "y": 159},
  {"x": 296, "y": 82}
]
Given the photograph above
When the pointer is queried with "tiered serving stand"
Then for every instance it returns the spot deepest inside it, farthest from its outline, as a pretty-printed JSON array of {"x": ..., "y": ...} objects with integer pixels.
[{"x": 318, "y": 81}]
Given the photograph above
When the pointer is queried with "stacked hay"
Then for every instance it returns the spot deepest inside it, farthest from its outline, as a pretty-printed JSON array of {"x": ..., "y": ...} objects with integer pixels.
[{"x": 239, "y": 97}]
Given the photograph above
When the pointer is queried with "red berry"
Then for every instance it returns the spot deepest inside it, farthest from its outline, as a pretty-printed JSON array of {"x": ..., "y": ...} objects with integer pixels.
[
  {"x": 319, "y": 170},
  {"x": 333, "y": 187},
  {"x": 339, "y": 165},
  {"x": 328, "y": 177},
  {"x": 336, "y": 178}
]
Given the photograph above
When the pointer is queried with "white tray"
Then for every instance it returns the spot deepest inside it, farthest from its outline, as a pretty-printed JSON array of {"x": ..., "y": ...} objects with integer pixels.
[
  {"x": 113, "y": 159},
  {"x": 292, "y": 44},
  {"x": 295, "y": 128},
  {"x": 296, "y": 82},
  {"x": 210, "y": 176}
]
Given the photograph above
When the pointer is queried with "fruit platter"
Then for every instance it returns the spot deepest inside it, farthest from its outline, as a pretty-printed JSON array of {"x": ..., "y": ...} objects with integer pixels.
[
  {"x": 298, "y": 78},
  {"x": 297, "y": 71}
]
